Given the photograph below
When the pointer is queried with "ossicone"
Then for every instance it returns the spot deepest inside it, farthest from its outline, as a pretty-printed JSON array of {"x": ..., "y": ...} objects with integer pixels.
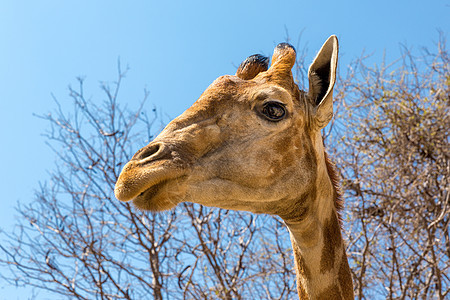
[
  {"x": 252, "y": 66},
  {"x": 283, "y": 58}
]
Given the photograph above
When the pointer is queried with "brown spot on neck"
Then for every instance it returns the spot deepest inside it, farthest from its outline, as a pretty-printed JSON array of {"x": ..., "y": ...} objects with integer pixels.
[
  {"x": 332, "y": 240},
  {"x": 345, "y": 278},
  {"x": 332, "y": 292},
  {"x": 303, "y": 273}
]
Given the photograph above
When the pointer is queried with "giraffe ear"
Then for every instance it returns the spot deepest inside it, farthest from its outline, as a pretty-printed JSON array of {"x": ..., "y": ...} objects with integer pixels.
[
  {"x": 252, "y": 66},
  {"x": 322, "y": 76}
]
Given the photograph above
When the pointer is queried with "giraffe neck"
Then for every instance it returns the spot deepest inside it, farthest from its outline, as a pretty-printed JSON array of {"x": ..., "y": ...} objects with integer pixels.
[
  {"x": 321, "y": 262},
  {"x": 319, "y": 251}
]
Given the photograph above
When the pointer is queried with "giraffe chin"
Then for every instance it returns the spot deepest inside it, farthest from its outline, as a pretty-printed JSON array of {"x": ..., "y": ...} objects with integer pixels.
[{"x": 158, "y": 197}]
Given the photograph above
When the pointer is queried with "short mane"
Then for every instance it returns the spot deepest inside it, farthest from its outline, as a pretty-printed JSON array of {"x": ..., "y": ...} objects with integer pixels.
[{"x": 334, "y": 177}]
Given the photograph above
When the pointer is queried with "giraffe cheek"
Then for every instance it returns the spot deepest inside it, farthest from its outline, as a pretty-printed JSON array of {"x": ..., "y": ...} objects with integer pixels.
[{"x": 209, "y": 137}]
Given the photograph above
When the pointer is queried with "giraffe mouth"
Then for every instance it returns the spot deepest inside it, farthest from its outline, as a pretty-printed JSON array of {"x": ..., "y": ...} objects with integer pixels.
[
  {"x": 150, "y": 183},
  {"x": 161, "y": 195},
  {"x": 155, "y": 197}
]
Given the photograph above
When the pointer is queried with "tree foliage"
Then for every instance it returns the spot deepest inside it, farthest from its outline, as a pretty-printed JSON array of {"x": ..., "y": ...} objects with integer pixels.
[{"x": 389, "y": 141}]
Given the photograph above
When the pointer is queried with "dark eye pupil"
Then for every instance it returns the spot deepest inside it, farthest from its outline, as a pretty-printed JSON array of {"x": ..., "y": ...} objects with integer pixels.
[{"x": 274, "y": 111}]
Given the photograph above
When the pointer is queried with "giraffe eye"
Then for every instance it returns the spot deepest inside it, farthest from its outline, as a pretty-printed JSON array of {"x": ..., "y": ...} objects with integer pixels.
[{"x": 274, "y": 111}]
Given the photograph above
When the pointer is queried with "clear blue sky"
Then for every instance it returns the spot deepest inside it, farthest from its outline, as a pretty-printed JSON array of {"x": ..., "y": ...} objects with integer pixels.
[{"x": 174, "y": 50}]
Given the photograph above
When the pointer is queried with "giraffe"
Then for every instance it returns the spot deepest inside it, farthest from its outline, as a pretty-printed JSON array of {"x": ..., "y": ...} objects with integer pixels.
[{"x": 253, "y": 142}]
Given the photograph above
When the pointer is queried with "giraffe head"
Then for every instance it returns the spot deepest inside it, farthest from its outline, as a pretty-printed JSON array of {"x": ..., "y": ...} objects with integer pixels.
[{"x": 250, "y": 142}]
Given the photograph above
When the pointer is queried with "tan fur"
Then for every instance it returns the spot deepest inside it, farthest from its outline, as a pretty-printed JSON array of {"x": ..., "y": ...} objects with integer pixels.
[{"x": 225, "y": 151}]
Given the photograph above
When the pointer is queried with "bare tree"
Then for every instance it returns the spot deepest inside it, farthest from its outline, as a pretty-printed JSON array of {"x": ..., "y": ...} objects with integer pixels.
[{"x": 394, "y": 161}]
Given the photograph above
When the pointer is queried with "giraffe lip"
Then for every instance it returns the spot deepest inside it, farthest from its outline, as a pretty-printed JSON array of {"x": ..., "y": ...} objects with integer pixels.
[
  {"x": 151, "y": 191},
  {"x": 164, "y": 195}
]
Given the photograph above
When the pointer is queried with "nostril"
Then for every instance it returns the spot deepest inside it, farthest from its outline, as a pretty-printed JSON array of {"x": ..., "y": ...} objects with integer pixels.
[
  {"x": 149, "y": 151},
  {"x": 152, "y": 150}
]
